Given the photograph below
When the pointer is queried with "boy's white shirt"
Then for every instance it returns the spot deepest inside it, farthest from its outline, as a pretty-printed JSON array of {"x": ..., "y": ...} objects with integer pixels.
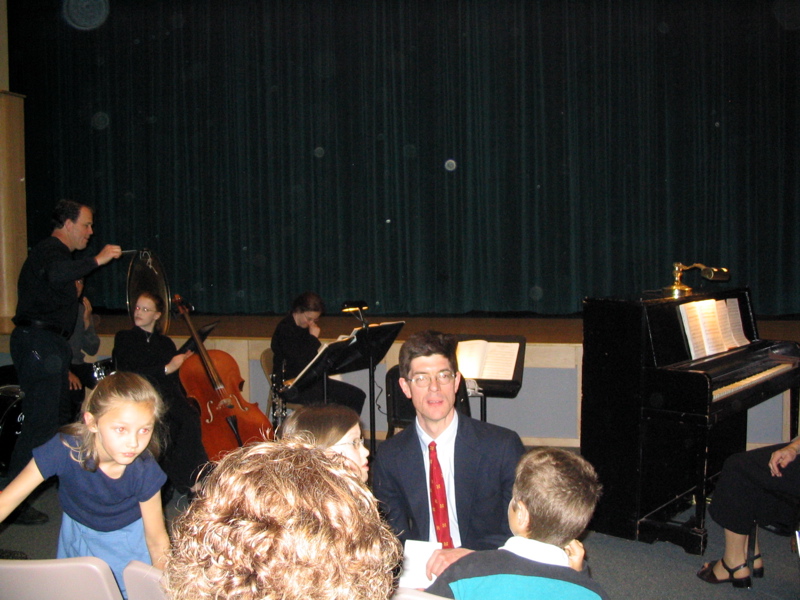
[{"x": 536, "y": 551}]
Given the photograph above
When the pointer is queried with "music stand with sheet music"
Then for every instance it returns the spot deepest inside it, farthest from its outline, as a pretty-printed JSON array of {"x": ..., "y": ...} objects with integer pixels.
[
  {"x": 499, "y": 388},
  {"x": 363, "y": 349}
]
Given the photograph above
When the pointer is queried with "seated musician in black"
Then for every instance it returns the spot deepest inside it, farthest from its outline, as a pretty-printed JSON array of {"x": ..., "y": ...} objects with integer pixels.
[
  {"x": 754, "y": 488},
  {"x": 146, "y": 351},
  {"x": 295, "y": 344}
]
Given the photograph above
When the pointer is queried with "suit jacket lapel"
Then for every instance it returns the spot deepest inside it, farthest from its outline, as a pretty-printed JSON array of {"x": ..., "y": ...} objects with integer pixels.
[
  {"x": 467, "y": 469},
  {"x": 416, "y": 486}
]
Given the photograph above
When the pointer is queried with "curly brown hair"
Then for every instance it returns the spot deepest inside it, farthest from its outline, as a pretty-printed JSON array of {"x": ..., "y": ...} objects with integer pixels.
[{"x": 282, "y": 520}]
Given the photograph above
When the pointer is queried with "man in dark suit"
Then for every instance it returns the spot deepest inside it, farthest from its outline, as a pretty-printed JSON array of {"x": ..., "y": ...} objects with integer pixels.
[{"x": 477, "y": 460}]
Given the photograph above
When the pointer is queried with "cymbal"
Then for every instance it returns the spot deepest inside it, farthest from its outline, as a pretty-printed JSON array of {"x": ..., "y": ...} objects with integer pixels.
[{"x": 146, "y": 274}]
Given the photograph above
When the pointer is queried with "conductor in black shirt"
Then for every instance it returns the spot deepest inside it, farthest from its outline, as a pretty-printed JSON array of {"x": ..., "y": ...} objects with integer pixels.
[{"x": 47, "y": 308}]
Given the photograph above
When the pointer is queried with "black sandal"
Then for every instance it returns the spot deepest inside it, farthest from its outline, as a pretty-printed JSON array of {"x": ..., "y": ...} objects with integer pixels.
[
  {"x": 757, "y": 572},
  {"x": 707, "y": 575}
]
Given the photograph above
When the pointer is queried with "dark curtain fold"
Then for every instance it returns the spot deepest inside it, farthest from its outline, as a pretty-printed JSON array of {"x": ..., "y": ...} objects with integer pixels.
[{"x": 428, "y": 157}]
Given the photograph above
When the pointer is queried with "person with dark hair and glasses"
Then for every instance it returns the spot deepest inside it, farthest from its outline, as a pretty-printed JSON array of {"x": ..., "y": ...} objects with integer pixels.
[
  {"x": 446, "y": 478},
  {"x": 145, "y": 350}
]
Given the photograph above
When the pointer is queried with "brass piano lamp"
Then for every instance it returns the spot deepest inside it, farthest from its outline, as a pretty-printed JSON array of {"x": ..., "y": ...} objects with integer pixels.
[
  {"x": 356, "y": 306},
  {"x": 678, "y": 289}
]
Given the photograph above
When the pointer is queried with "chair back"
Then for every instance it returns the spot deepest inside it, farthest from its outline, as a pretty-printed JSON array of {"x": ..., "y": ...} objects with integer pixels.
[
  {"x": 400, "y": 411},
  {"x": 143, "y": 582},
  {"x": 84, "y": 578}
]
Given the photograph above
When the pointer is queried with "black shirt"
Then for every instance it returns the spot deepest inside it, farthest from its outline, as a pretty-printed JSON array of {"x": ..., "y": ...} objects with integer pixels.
[
  {"x": 46, "y": 287},
  {"x": 147, "y": 353},
  {"x": 293, "y": 344}
]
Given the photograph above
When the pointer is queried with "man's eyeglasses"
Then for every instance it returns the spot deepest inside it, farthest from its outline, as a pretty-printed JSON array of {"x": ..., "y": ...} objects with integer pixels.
[
  {"x": 356, "y": 443},
  {"x": 424, "y": 380}
]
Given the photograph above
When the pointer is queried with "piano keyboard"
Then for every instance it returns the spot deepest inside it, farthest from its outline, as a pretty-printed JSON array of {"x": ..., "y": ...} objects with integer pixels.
[{"x": 747, "y": 382}]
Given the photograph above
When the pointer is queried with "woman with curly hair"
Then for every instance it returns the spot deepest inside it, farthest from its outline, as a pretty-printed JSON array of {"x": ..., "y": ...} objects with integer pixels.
[{"x": 282, "y": 521}]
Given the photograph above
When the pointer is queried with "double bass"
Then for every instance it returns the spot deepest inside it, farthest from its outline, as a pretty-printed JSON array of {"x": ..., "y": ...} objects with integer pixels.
[{"x": 212, "y": 378}]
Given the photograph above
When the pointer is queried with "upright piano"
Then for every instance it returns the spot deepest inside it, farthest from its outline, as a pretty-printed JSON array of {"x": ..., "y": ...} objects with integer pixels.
[{"x": 659, "y": 418}]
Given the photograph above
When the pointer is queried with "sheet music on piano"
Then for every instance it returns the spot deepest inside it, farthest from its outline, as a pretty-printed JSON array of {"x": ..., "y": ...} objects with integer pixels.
[
  {"x": 712, "y": 326},
  {"x": 734, "y": 321}
]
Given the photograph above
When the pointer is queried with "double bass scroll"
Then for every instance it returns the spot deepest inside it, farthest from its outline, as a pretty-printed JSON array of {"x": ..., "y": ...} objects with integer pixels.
[{"x": 213, "y": 379}]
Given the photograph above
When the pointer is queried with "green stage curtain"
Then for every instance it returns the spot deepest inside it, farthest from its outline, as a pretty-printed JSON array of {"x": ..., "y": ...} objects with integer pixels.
[{"x": 429, "y": 157}]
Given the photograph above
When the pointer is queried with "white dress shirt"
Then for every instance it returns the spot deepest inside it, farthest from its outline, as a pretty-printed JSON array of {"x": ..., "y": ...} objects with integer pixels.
[{"x": 445, "y": 451}]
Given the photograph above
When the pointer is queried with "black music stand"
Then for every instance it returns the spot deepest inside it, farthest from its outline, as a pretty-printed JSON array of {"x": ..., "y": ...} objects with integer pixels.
[
  {"x": 325, "y": 363},
  {"x": 364, "y": 349},
  {"x": 203, "y": 333},
  {"x": 499, "y": 388}
]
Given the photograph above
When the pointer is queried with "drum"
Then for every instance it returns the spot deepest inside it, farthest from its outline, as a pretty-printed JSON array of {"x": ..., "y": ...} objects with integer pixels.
[
  {"x": 103, "y": 368},
  {"x": 11, "y": 418},
  {"x": 145, "y": 274}
]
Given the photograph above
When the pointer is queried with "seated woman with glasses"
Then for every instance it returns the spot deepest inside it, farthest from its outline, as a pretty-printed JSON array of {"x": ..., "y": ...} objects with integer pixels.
[
  {"x": 144, "y": 350},
  {"x": 330, "y": 427},
  {"x": 295, "y": 343}
]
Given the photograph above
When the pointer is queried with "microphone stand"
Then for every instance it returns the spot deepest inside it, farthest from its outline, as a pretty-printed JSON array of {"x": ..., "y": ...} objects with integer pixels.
[{"x": 371, "y": 375}]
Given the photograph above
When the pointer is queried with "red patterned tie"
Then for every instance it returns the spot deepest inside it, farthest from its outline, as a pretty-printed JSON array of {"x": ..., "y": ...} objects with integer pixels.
[{"x": 439, "y": 500}]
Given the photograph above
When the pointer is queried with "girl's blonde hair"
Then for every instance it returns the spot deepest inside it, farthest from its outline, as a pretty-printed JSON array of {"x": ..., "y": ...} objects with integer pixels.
[
  {"x": 282, "y": 521},
  {"x": 116, "y": 388},
  {"x": 324, "y": 424}
]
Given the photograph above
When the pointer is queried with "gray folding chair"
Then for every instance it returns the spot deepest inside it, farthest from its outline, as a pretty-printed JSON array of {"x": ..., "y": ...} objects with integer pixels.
[
  {"x": 84, "y": 578},
  {"x": 143, "y": 582}
]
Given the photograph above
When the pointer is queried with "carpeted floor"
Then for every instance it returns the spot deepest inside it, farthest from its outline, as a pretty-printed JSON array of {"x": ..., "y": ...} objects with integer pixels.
[
  {"x": 626, "y": 569},
  {"x": 663, "y": 571}
]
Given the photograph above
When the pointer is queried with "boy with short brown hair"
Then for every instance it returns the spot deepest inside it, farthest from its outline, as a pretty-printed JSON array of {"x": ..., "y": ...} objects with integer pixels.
[{"x": 555, "y": 493}]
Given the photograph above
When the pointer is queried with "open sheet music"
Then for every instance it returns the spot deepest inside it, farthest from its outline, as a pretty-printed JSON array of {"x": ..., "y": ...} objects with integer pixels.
[
  {"x": 481, "y": 359},
  {"x": 712, "y": 326},
  {"x": 322, "y": 347}
]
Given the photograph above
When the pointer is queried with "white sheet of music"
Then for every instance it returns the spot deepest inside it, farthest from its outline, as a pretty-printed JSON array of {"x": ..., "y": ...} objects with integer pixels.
[
  {"x": 712, "y": 333},
  {"x": 725, "y": 324},
  {"x": 481, "y": 359},
  {"x": 735, "y": 318},
  {"x": 701, "y": 323},
  {"x": 691, "y": 326}
]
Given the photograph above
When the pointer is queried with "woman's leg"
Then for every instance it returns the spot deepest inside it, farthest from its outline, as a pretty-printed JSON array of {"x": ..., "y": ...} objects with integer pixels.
[{"x": 735, "y": 555}]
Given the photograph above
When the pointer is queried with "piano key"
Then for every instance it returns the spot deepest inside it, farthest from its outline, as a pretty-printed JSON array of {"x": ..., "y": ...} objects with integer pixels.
[{"x": 751, "y": 381}]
